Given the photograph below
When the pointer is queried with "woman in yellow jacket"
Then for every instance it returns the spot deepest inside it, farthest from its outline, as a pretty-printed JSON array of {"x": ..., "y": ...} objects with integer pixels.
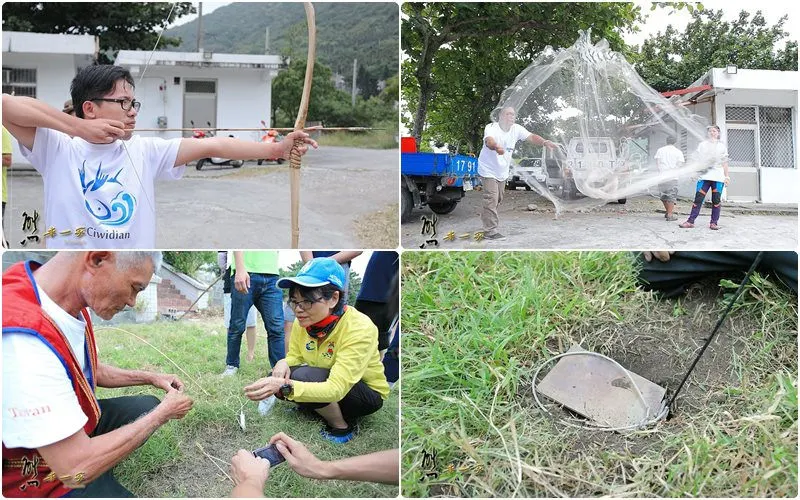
[{"x": 333, "y": 365}]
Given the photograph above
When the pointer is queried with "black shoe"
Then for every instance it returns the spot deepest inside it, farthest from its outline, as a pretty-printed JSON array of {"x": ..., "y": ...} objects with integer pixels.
[{"x": 495, "y": 236}]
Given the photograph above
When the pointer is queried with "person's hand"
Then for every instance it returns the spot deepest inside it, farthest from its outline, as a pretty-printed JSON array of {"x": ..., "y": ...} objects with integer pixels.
[
  {"x": 298, "y": 457},
  {"x": 727, "y": 180},
  {"x": 303, "y": 141},
  {"x": 549, "y": 144},
  {"x": 263, "y": 388},
  {"x": 166, "y": 381},
  {"x": 247, "y": 468},
  {"x": 101, "y": 130},
  {"x": 499, "y": 150},
  {"x": 175, "y": 405},
  {"x": 282, "y": 370},
  {"x": 242, "y": 281},
  {"x": 662, "y": 256}
]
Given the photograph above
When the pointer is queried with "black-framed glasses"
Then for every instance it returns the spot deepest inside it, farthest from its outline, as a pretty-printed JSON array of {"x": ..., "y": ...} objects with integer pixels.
[
  {"x": 304, "y": 305},
  {"x": 126, "y": 104}
]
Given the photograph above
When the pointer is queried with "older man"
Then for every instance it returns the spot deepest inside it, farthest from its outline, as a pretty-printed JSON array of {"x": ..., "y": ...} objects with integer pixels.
[
  {"x": 58, "y": 438},
  {"x": 499, "y": 139}
]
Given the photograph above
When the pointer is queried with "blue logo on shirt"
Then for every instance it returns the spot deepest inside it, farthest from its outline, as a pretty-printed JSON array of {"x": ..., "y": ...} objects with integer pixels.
[{"x": 114, "y": 212}]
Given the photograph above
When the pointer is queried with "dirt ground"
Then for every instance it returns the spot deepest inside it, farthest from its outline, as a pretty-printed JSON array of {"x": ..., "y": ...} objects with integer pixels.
[
  {"x": 639, "y": 224},
  {"x": 345, "y": 196},
  {"x": 661, "y": 348}
]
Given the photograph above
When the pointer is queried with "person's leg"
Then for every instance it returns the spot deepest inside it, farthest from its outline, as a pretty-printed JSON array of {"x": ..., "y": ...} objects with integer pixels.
[
  {"x": 288, "y": 321},
  {"x": 333, "y": 416},
  {"x": 716, "y": 203},
  {"x": 250, "y": 334},
  {"x": 699, "y": 196},
  {"x": 673, "y": 277},
  {"x": 377, "y": 312},
  {"x": 269, "y": 302},
  {"x": 490, "y": 201},
  {"x": 391, "y": 361},
  {"x": 240, "y": 305},
  {"x": 346, "y": 268},
  {"x": 114, "y": 413}
]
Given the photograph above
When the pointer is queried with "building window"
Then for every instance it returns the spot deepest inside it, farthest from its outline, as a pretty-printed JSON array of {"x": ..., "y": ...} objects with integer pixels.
[
  {"x": 201, "y": 86},
  {"x": 775, "y": 131},
  {"x": 19, "y": 81},
  {"x": 760, "y": 135}
]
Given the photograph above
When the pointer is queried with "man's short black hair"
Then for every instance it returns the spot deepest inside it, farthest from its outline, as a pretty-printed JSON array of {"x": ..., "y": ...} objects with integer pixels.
[
  {"x": 670, "y": 139},
  {"x": 94, "y": 82}
]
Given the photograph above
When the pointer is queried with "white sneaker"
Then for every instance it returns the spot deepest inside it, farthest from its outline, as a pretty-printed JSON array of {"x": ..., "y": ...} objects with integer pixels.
[
  {"x": 230, "y": 370},
  {"x": 265, "y": 405}
]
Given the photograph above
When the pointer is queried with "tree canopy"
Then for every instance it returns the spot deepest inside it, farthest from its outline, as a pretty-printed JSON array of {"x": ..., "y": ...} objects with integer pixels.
[
  {"x": 673, "y": 60},
  {"x": 119, "y": 25},
  {"x": 460, "y": 56}
]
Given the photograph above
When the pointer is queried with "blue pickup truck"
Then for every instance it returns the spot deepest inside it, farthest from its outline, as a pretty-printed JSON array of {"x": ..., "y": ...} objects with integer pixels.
[{"x": 438, "y": 180}]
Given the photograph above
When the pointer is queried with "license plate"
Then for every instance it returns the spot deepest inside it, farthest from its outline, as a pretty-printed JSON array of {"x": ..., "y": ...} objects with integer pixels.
[{"x": 467, "y": 185}]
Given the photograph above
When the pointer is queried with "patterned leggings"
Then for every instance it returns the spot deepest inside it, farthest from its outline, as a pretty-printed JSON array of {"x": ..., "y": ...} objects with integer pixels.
[{"x": 716, "y": 199}]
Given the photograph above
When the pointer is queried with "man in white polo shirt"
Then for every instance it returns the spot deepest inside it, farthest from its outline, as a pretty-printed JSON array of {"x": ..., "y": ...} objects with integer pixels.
[{"x": 499, "y": 139}]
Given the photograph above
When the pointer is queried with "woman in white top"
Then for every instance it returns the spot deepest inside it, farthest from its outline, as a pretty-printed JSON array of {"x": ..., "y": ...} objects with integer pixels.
[{"x": 714, "y": 153}]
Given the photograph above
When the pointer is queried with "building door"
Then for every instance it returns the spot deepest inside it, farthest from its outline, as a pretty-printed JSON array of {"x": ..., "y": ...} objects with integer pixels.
[
  {"x": 199, "y": 104},
  {"x": 743, "y": 162}
]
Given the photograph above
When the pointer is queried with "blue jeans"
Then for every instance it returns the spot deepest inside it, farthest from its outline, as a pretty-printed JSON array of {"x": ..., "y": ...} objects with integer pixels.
[{"x": 268, "y": 299}]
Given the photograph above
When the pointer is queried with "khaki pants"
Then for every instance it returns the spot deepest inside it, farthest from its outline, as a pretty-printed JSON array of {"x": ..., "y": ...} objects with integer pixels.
[{"x": 492, "y": 197}]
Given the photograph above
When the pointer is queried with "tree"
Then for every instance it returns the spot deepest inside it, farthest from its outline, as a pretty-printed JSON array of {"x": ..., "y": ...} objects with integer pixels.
[
  {"x": 461, "y": 56},
  {"x": 674, "y": 60},
  {"x": 119, "y": 25},
  {"x": 189, "y": 262}
]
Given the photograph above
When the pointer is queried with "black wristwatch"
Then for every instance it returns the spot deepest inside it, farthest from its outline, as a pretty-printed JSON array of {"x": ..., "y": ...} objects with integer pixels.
[{"x": 286, "y": 390}]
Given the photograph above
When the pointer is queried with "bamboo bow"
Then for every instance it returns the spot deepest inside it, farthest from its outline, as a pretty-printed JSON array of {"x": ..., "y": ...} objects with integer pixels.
[{"x": 294, "y": 156}]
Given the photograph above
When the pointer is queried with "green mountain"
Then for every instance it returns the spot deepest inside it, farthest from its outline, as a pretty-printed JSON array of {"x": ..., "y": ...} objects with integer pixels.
[{"x": 368, "y": 32}]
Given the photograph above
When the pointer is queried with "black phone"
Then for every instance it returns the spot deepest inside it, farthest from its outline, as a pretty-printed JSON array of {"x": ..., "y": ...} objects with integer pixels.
[{"x": 271, "y": 453}]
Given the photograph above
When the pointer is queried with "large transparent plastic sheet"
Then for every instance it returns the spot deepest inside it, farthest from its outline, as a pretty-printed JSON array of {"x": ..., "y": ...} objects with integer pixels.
[{"x": 607, "y": 124}]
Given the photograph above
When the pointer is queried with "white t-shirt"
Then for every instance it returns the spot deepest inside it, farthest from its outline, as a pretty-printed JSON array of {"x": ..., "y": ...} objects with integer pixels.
[
  {"x": 669, "y": 157},
  {"x": 39, "y": 404},
  {"x": 491, "y": 164},
  {"x": 95, "y": 187},
  {"x": 712, "y": 155}
]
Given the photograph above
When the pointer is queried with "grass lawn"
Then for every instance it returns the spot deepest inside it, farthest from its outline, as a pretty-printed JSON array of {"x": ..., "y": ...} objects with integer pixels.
[
  {"x": 385, "y": 138},
  {"x": 170, "y": 464},
  {"x": 476, "y": 326}
]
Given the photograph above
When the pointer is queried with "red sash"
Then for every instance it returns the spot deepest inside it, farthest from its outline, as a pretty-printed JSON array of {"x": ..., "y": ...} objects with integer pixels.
[{"x": 25, "y": 473}]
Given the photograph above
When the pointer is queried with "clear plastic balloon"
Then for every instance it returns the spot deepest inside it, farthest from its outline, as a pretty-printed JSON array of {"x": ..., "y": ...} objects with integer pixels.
[{"x": 607, "y": 124}]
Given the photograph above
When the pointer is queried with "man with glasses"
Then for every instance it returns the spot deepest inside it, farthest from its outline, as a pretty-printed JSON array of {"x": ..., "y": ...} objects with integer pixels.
[{"x": 98, "y": 178}]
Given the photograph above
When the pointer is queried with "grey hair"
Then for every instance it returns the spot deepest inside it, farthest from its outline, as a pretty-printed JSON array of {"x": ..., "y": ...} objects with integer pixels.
[{"x": 127, "y": 260}]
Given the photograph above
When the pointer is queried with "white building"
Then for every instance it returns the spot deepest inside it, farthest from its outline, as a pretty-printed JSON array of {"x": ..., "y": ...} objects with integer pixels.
[
  {"x": 756, "y": 111},
  {"x": 225, "y": 90},
  {"x": 43, "y": 65}
]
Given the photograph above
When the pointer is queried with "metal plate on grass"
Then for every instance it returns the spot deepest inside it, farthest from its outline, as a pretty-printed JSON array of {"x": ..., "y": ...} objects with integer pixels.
[{"x": 599, "y": 390}]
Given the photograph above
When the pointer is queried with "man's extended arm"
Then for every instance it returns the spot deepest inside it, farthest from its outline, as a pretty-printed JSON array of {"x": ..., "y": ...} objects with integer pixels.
[
  {"x": 23, "y": 115},
  {"x": 79, "y": 459},
  {"x": 236, "y": 149},
  {"x": 111, "y": 376},
  {"x": 540, "y": 141}
]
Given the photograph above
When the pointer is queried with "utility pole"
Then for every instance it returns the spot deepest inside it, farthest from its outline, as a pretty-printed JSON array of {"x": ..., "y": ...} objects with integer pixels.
[
  {"x": 355, "y": 68},
  {"x": 200, "y": 27}
]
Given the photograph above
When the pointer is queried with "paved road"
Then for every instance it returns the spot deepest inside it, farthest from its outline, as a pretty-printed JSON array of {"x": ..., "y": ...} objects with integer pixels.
[
  {"x": 220, "y": 207},
  {"x": 612, "y": 227}
]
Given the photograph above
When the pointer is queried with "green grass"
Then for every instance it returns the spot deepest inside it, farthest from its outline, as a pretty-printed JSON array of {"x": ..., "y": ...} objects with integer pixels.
[
  {"x": 170, "y": 464},
  {"x": 476, "y": 326}
]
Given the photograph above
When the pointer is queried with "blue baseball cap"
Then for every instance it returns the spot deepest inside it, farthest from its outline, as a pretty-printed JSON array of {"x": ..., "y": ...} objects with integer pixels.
[{"x": 317, "y": 272}]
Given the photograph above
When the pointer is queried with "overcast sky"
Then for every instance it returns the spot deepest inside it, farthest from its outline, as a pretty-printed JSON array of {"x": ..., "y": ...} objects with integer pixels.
[{"x": 772, "y": 10}]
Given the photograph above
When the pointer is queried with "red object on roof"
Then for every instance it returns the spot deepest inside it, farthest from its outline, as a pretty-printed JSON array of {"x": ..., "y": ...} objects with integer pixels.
[
  {"x": 686, "y": 91},
  {"x": 408, "y": 145}
]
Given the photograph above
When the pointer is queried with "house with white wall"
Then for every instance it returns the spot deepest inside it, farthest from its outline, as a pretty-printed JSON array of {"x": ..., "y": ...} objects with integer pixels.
[
  {"x": 756, "y": 111},
  {"x": 178, "y": 88},
  {"x": 42, "y": 65}
]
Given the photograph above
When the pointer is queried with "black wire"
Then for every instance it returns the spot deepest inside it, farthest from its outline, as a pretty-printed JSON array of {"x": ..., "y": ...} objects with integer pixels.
[{"x": 719, "y": 323}]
